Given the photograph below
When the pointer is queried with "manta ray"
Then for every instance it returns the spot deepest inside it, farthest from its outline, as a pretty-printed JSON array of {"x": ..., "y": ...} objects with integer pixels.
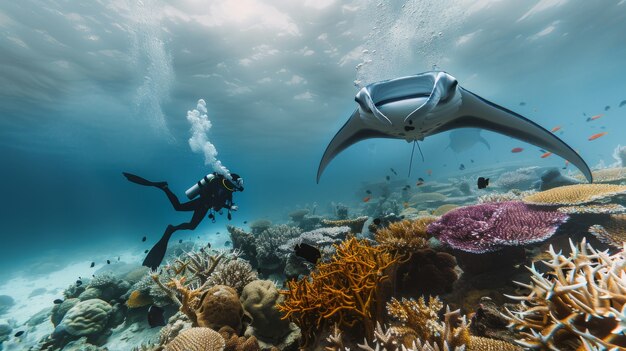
[{"x": 415, "y": 107}]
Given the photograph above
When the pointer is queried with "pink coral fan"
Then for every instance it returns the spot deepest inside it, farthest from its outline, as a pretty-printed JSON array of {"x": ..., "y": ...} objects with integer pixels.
[{"x": 490, "y": 226}]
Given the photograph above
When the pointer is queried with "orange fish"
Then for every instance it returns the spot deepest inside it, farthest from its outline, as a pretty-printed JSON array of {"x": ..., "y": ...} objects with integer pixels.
[
  {"x": 595, "y": 117},
  {"x": 555, "y": 129},
  {"x": 546, "y": 154},
  {"x": 429, "y": 172},
  {"x": 596, "y": 136},
  {"x": 516, "y": 150},
  {"x": 366, "y": 199}
]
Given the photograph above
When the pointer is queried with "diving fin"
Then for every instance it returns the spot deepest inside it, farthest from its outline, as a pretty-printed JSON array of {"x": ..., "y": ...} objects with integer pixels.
[
  {"x": 157, "y": 253},
  {"x": 141, "y": 181}
]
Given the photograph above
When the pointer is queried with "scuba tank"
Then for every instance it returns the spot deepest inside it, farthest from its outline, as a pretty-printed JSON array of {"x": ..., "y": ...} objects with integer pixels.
[{"x": 195, "y": 189}]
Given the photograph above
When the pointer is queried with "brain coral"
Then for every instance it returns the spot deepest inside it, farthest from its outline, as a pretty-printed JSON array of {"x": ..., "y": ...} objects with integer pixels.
[
  {"x": 197, "y": 339},
  {"x": 491, "y": 226},
  {"x": 259, "y": 300},
  {"x": 220, "y": 306},
  {"x": 86, "y": 318},
  {"x": 574, "y": 194}
]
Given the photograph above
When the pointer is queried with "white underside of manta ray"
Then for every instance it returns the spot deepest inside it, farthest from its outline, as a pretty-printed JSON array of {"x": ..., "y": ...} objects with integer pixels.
[{"x": 414, "y": 107}]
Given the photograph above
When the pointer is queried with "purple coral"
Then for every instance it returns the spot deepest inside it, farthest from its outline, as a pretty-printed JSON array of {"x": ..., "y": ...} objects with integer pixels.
[{"x": 490, "y": 226}]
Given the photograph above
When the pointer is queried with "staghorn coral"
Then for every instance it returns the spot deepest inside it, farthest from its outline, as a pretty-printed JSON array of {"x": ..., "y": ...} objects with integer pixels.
[
  {"x": 219, "y": 306},
  {"x": 512, "y": 195},
  {"x": 491, "y": 226},
  {"x": 606, "y": 175},
  {"x": 612, "y": 231},
  {"x": 85, "y": 318},
  {"x": 522, "y": 178},
  {"x": 443, "y": 209},
  {"x": 579, "y": 303},
  {"x": 347, "y": 290},
  {"x": 574, "y": 194},
  {"x": 355, "y": 224},
  {"x": 234, "y": 273},
  {"x": 197, "y": 339},
  {"x": 405, "y": 236}
]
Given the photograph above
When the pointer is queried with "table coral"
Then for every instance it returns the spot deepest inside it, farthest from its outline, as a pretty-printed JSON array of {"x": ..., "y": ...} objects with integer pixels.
[
  {"x": 491, "y": 226},
  {"x": 347, "y": 290},
  {"x": 606, "y": 175},
  {"x": 355, "y": 224},
  {"x": 612, "y": 230},
  {"x": 197, "y": 339},
  {"x": 574, "y": 194},
  {"x": 579, "y": 303}
]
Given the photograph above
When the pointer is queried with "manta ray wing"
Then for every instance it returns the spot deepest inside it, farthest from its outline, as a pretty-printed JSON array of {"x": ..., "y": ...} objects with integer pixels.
[
  {"x": 477, "y": 112},
  {"x": 352, "y": 132}
]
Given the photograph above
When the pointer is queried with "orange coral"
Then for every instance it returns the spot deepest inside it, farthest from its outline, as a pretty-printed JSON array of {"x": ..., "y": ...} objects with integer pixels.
[
  {"x": 347, "y": 290},
  {"x": 405, "y": 236}
]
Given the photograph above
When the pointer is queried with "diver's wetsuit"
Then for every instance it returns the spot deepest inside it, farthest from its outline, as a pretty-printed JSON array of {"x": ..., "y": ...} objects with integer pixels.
[{"x": 213, "y": 197}]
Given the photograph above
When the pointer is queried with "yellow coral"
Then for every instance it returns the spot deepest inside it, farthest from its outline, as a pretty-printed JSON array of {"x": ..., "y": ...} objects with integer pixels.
[
  {"x": 347, "y": 290},
  {"x": 580, "y": 303},
  {"x": 577, "y": 194},
  {"x": 137, "y": 299},
  {"x": 443, "y": 209},
  {"x": 197, "y": 339},
  {"x": 612, "y": 230},
  {"x": 607, "y": 175},
  {"x": 405, "y": 236},
  {"x": 355, "y": 224}
]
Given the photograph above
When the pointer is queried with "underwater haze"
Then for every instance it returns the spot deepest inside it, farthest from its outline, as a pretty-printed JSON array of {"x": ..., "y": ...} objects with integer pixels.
[{"x": 89, "y": 90}]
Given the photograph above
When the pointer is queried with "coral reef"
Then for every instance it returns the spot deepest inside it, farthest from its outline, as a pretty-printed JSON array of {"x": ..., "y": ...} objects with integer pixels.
[
  {"x": 85, "y": 318},
  {"x": 355, "y": 224},
  {"x": 260, "y": 225},
  {"x": 593, "y": 209},
  {"x": 267, "y": 244},
  {"x": 574, "y": 194},
  {"x": 259, "y": 299},
  {"x": 219, "y": 306},
  {"x": 235, "y": 273},
  {"x": 59, "y": 310},
  {"x": 233, "y": 342},
  {"x": 197, "y": 339},
  {"x": 512, "y": 195},
  {"x": 405, "y": 236},
  {"x": 490, "y": 226},
  {"x": 606, "y": 175},
  {"x": 243, "y": 242},
  {"x": 489, "y": 321},
  {"x": 138, "y": 299},
  {"x": 612, "y": 231},
  {"x": 522, "y": 178},
  {"x": 552, "y": 178},
  {"x": 347, "y": 290},
  {"x": 341, "y": 211},
  {"x": 578, "y": 304}
]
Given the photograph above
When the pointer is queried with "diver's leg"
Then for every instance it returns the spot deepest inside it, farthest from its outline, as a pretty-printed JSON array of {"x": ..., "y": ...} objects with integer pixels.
[
  {"x": 157, "y": 253},
  {"x": 187, "y": 206}
]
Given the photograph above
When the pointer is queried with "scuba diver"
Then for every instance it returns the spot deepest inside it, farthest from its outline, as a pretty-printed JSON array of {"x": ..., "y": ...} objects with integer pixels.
[{"x": 210, "y": 195}]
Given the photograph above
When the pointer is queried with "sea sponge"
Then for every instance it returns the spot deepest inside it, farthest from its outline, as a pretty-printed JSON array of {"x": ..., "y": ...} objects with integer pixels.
[
  {"x": 197, "y": 339},
  {"x": 355, "y": 224},
  {"x": 259, "y": 299},
  {"x": 86, "y": 318},
  {"x": 575, "y": 194},
  {"x": 234, "y": 273},
  {"x": 405, "y": 236},
  {"x": 606, "y": 175},
  {"x": 579, "y": 304},
  {"x": 219, "y": 306},
  {"x": 138, "y": 299},
  {"x": 443, "y": 209}
]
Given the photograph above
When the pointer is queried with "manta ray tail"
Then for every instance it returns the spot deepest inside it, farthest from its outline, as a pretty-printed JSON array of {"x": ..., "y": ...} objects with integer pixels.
[{"x": 479, "y": 113}]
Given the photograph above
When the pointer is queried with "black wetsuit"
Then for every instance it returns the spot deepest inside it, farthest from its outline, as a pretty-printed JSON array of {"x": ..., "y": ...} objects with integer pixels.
[{"x": 214, "y": 196}]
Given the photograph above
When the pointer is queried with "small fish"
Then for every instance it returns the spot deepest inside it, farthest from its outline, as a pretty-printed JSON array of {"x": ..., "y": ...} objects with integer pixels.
[
  {"x": 420, "y": 181},
  {"x": 388, "y": 178},
  {"x": 461, "y": 167},
  {"x": 144, "y": 238},
  {"x": 227, "y": 243},
  {"x": 622, "y": 103},
  {"x": 368, "y": 192},
  {"x": 376, "y": 221},
  {"x": 92, "y": 265},
  {"x": 146, "y": 251},
  {"x": 482, "y": 182},
  {"x": 245, "y": 222},
  {"x": 155, "y": 316},
  {"x": 208, "y": 245},
  {"x": 546, "y": 154},
  {"x": 596, "y": 136},
  {"x": 308, "y": 252},
  {"x": 405, "y": 204},
  {"x": 57, "y": 301},
  {"x": 180, "y": 241},
  {"x": 566, "y": 164},
  {"x": 108, "y": 261},
  {"x": 522, "y": 103},
  {"x": 366, "y": 199},
  {"x": 79, "y": 282},
  {"x": 202, "y": 249},
  {"x": 393, "y": 171},
  {"x": 471, "y": 160},
  {"x": 429, "y": 172},
  {"x": 555, "y": 129},
  {"x": 607, "y": 107},
  {"x": 218, "y": 233},
  {"x": 516, "y": 150},
  {"x": 119, "y": 258},
  {"x": 19, "y": 333},
  {"x": 593, "y": 118}
]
